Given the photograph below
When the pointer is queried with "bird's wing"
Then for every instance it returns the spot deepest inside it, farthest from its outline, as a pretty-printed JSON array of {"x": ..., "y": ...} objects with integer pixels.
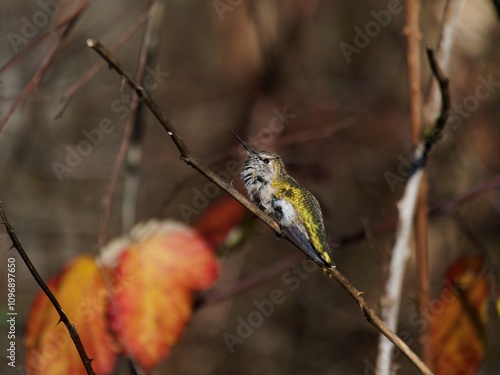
[{"x": 299, "y": 239}]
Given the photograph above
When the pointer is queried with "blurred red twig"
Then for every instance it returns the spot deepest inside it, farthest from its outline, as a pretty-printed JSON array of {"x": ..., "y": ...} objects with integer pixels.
[
  {"x": 47, "y": 62},
  {"x": 414, "y": 38},
  {"x": 268, "y": 273},
  {"x": 19, "y": 55},
  {"x": 69, "y": 93}
]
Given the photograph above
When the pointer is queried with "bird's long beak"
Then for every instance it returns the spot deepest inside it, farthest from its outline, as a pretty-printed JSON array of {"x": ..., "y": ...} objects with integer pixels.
[{"x": 249, "y": 150}]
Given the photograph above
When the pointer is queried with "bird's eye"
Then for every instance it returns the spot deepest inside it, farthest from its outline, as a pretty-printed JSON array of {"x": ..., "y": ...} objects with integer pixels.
[{"x": 266, "y": 161}]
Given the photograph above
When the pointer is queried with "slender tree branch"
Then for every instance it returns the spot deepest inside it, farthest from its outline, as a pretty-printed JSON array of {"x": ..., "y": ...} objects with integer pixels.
[
  {"x": 378, "y": 323},
  {"x": 87, "y": 362},
  {"x": 475, "y": 191},
  {"x": 150, "y": 48},
  {"x": 451, "y": 16},
  {"x": 414, "y": 37},
  {"x": 24, "y": 50},
  {"x": 47, "y": 62},
  {"x": 69, "y": 93},
  {"x": 422, "y": 256},
  {"x": 406, "y": 208},
  {"x": 176, "y": 138},
  {"x": 186, "y": 157},
  {"x": 391, "y": 299},
  {"x": 144, "y": 58},
  {"x": 432, "y": 137},
  {"x": 124, "y": 146},
  {"x": 257, "y": 278}
]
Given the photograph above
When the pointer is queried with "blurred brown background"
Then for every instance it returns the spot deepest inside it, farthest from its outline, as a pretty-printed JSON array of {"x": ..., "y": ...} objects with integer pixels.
[{"x": 235, "y": 66}]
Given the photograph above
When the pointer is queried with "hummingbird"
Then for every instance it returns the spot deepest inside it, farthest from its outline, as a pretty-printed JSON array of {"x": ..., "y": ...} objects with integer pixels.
[{"x": 295, "y": 209}]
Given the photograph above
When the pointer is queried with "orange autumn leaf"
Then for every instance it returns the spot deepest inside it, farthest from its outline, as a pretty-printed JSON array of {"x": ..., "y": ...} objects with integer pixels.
[
  {"x": 156, "y": 272},
  {"x": 457, "y": 330},
  {"x": 217, "y": 222},
  {"x": 81, "y": 292}
]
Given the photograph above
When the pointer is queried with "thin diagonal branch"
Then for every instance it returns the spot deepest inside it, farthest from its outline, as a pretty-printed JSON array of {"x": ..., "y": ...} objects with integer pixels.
[
  {"x": 186, "y": 157},
  {"x": 47, "y": 62},
  {"x": 69, "y": 93},
  {"x": 176, "y": 138},
  {"x": 257, "y": 278},
  {"x": 87, "y": 362},
  {"x": 24, "y": 50}
]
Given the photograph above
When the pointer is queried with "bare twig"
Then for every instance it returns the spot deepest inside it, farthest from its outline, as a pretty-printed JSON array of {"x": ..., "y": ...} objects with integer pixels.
[
  {"x": 176, "y": 138},
  {"x": 422, "y": 257},
  {"x": 400, "y": 254},
  {"x": 47, "y": 62},
  {"x": 69, "y": 93},
  {"x": 475, "y": 191},
  {"x": 23, "y": 51},
  {"x": 412, "y": 198},
  {"x": 144, "y": 58},
  {"x": 378, "y": 323},
  {"x": 451, "y": 15},
  {"x": 432, "y": 137},
  {"x": 257, "y": 278},
  {"x": 124, "y": 146},
  {"x": 413, "y": 37},
  {"x": 150, "y": 47},
  {"x": 413, "y": 62},
  {"x": 186, "y": 157},
  {"x": 87, "y": 362},
  {"x": 406, "y": 207}
]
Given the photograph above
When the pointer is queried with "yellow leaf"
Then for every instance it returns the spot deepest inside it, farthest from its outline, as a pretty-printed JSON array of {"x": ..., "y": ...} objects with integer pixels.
[{"x": 81, "y": 292}]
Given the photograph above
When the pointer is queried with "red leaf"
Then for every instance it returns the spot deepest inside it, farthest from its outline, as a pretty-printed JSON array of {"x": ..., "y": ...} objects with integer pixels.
[
  {"x": 457, "y": 330},
  {"x": 156, "y": 273},
  {"x": 217, "y": 222}
]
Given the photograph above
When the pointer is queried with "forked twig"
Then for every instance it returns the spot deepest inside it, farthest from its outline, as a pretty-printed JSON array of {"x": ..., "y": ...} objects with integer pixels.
[
  {"x": 87, "y": 362},
  {"x": 186, "y": 157}
]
